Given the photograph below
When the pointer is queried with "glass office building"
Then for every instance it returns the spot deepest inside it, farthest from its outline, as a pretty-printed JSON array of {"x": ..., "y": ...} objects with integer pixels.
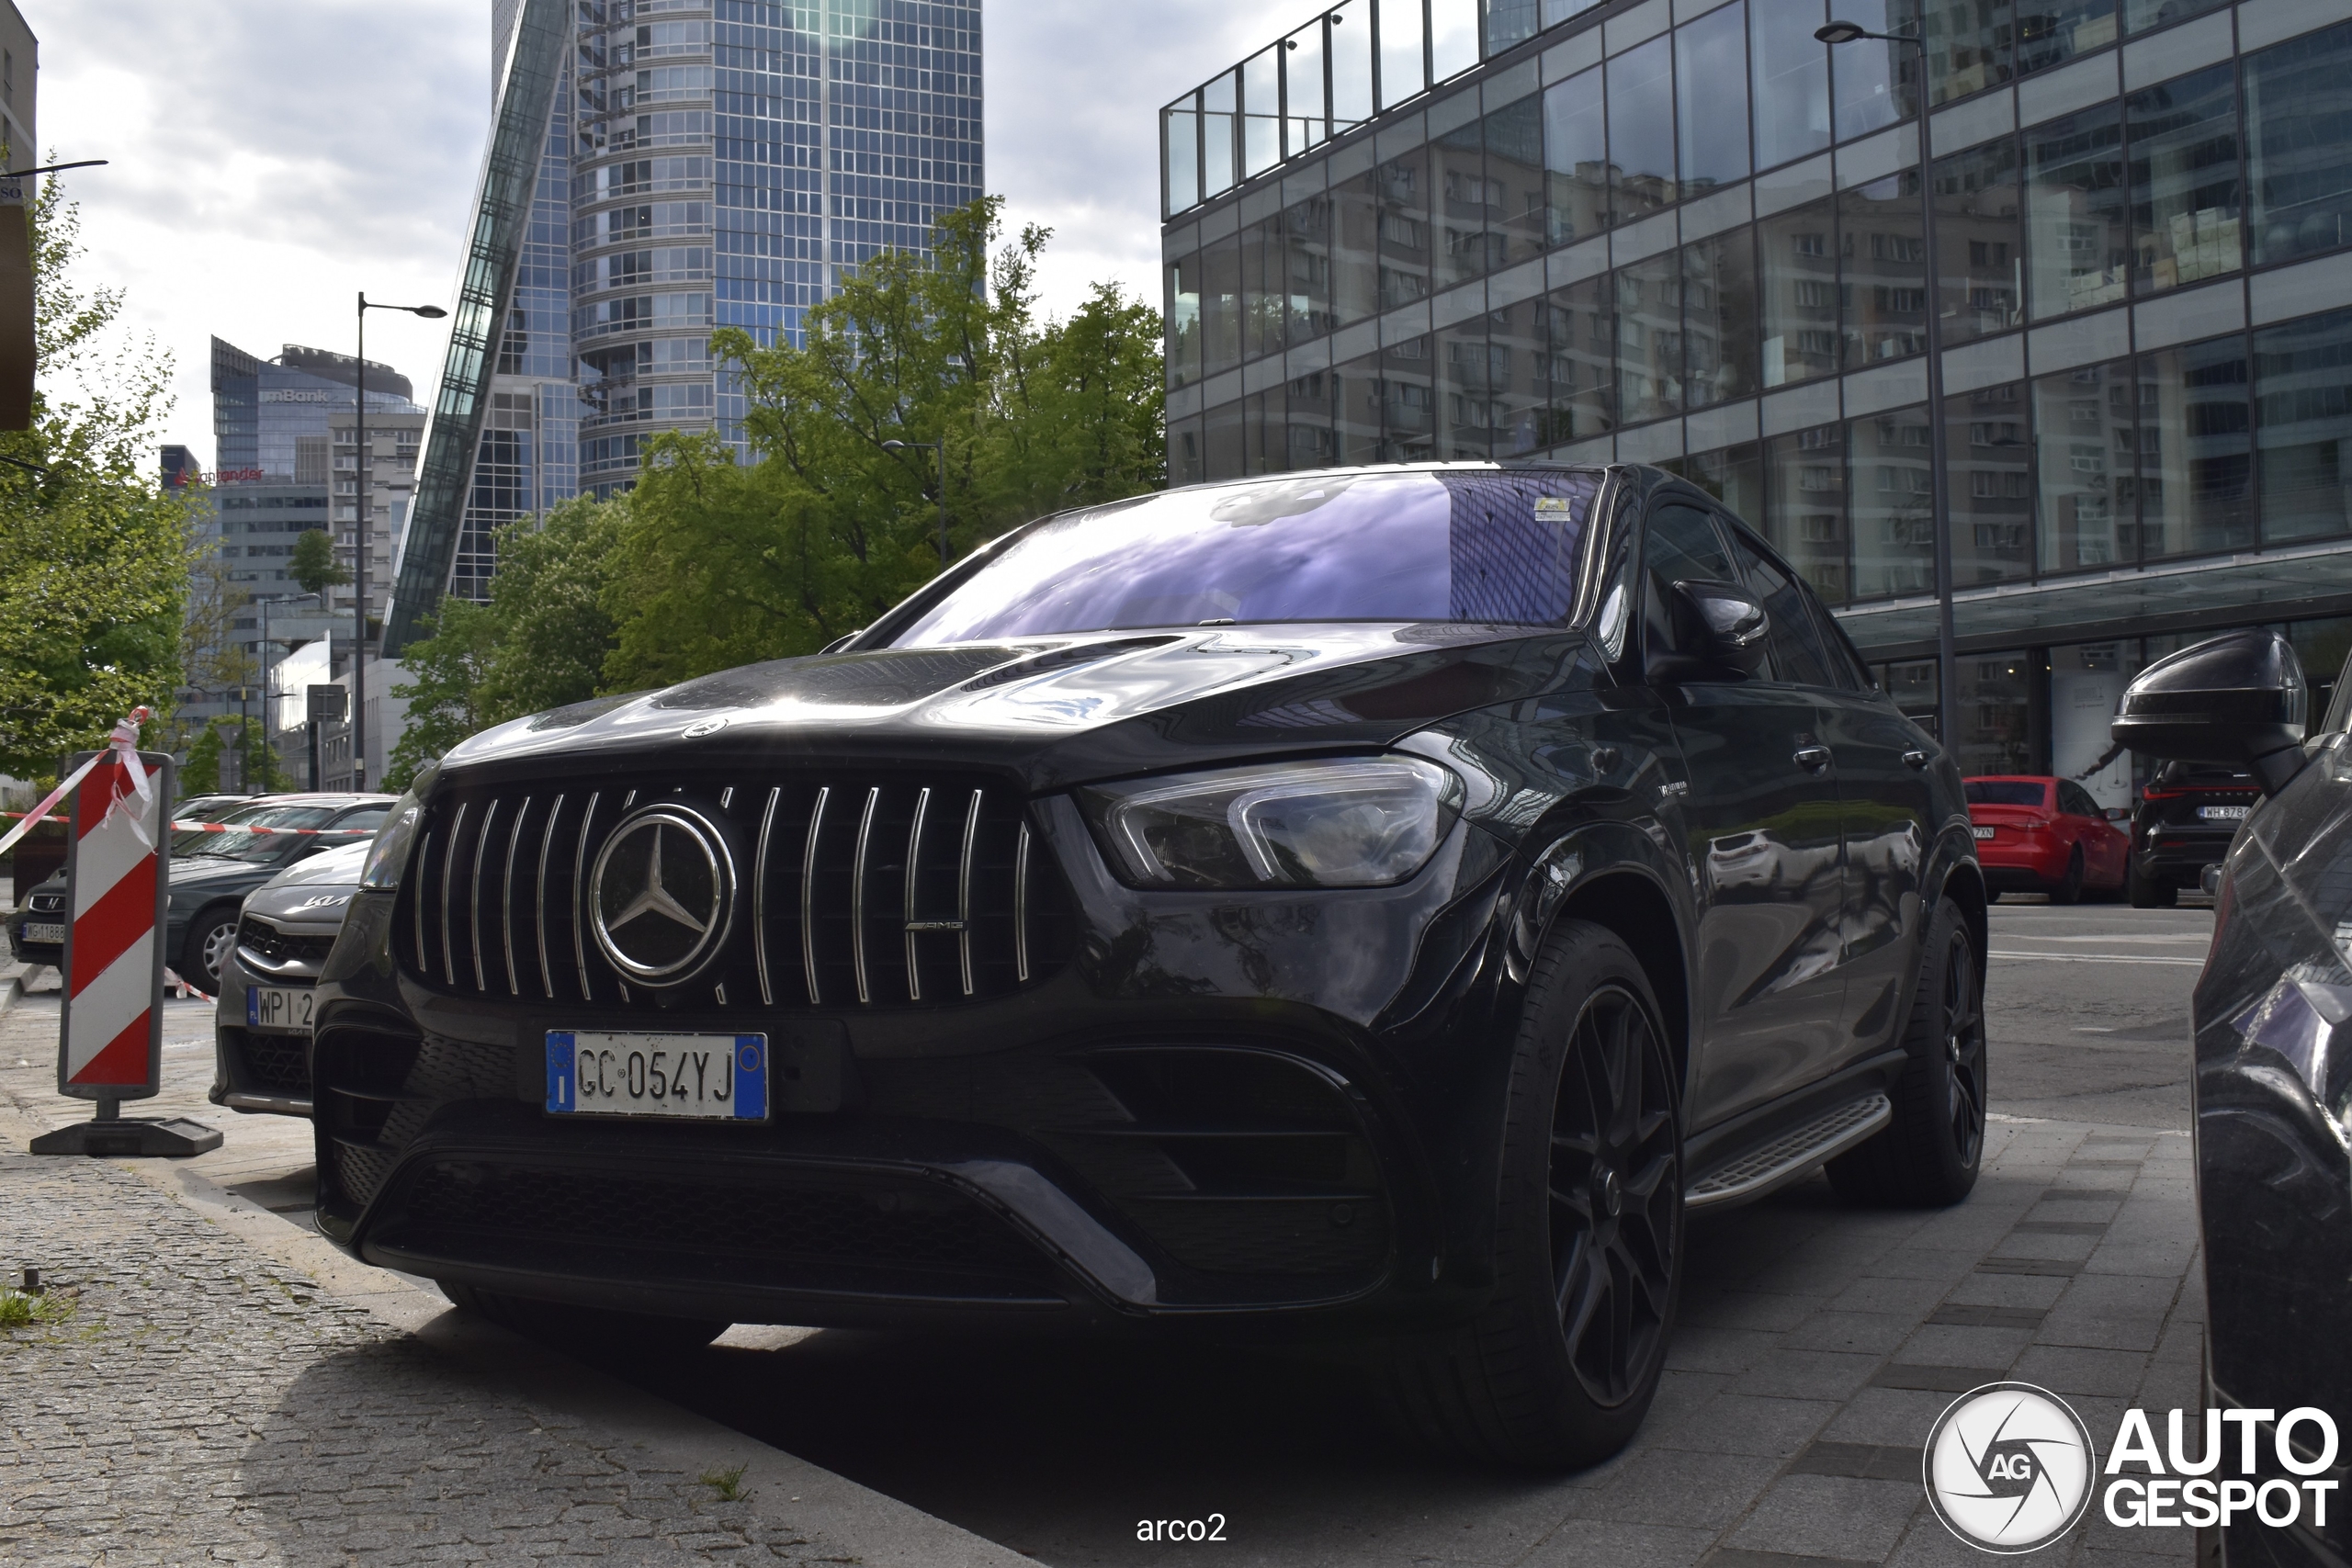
[
  {"x": 685, "y": 165},
  {"x": 1685, "y": 233}
]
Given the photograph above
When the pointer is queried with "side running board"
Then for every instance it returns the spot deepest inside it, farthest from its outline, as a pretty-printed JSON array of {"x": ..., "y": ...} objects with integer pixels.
[{"x": 1791, "y": 1155}]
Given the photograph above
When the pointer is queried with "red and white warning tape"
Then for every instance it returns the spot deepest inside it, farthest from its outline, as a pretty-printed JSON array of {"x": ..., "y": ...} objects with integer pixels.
[{"x": 240, "y": 828}]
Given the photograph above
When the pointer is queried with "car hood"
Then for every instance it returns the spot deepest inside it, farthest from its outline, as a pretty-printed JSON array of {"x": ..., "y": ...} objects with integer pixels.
[
  {"x": 1056, "y": 711},
  {"x": 212, "y": 868}
]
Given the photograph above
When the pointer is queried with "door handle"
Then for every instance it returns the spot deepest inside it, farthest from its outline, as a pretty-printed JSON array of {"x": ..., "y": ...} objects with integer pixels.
[
  {"x": 1915, "y": 758},
  {"x": 1812, "y": 759}
]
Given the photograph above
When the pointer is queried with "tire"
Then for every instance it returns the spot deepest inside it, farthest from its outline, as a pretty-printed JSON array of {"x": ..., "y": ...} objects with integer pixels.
[
  {"x": 206, "y": 946},
  {"x": 1929, "y": 1156},
  {"x": 2145, "y": 892},
  {"x": 1588, "y": 1210},
  {"x": 2068, "y": 889},
  {"x": 583, "y": 1328}
]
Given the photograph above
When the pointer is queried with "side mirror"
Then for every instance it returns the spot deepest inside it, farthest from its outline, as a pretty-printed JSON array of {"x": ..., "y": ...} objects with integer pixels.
[
  {"x": 2116, "y": 814},
  {"x": 2237, "y": 699},
  {"x": 1719, "y": 625}
]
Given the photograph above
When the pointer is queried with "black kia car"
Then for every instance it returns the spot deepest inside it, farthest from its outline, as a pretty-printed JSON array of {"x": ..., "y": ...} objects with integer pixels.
[
  {"x": 2272, "y": 1090},
  {"x": 1374, "y": 902}
]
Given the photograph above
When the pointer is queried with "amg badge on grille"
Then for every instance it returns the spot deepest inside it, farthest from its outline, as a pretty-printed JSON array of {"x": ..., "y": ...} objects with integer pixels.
[{"x": 662, "y": 895}]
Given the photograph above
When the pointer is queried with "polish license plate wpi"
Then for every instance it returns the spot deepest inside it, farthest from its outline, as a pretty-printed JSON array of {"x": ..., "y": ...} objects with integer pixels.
[
  {"x": 279, "y": 1010},
  {"x": 707, "y": 1077}
]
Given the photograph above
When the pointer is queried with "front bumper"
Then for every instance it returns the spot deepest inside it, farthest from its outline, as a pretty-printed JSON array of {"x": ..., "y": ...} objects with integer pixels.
[
  {"x": 2179, "y": 855},
  {"x": 259, "y": 1070},
  {"x": 1234, "y": 1119}
]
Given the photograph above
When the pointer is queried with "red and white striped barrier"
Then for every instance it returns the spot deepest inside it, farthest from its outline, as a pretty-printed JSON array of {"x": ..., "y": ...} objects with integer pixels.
[{"x": 112, "y": 1041}]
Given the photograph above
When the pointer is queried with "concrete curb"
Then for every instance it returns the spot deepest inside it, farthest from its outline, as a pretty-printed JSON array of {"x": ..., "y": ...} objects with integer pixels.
[{"x": 866, "y": 1526}]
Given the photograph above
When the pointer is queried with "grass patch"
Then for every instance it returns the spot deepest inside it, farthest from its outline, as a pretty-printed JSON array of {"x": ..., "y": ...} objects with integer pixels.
[
  {"x": 19, "y": 1310},
  {"x": 727, "y": 1483}
]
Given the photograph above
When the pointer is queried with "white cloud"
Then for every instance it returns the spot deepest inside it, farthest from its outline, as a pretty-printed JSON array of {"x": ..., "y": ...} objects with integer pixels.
[{"x": 272, "y": 157}]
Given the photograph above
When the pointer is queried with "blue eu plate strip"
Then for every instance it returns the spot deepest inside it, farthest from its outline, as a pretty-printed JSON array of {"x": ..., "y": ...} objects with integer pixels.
[
  {"x": 751, "y": 1076},
  {"x": 560, "y": 1088}
]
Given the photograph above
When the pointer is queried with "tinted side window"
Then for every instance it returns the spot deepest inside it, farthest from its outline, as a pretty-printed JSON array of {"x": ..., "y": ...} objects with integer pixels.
[
  {"x": 1797, "y": 653},
  {"x": 2075, "y": 800}
]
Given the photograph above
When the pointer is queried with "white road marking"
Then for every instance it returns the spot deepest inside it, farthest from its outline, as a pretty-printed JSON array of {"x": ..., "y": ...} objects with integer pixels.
[{"x": 2098, "y": 958}]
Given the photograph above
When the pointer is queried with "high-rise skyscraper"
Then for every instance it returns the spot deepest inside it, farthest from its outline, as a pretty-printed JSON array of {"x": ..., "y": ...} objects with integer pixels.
[{"x": 657, "y": 169}]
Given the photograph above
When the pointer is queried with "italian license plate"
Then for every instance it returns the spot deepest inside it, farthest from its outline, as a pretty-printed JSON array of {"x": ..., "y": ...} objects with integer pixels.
[
  {"x": 279, "y": 1010},
  {"x": 709, "y": 1078},
  {"x": 1982, "y": 832},
  {"x": 2222, "y": 813},
  {"x": 38, "y": 930}
]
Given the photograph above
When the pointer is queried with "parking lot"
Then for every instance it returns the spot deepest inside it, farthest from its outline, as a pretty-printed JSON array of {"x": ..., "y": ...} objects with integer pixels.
[{"x": 1817, "y": 1342}]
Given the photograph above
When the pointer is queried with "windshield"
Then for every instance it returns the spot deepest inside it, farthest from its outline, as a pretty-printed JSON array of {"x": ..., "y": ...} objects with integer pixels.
[
  {"x": 257, "y": 848},
  {"x": 1459, "y": 545},
  {"x": 2006, "y": 792}
]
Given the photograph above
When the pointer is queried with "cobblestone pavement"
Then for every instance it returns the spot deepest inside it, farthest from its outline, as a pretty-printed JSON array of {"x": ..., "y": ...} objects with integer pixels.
[{"x": 188, "y": 1397}]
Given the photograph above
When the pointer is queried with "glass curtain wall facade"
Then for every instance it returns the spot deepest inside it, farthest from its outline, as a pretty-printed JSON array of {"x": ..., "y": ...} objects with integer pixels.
[
  {"x": 705, "y": 164},
  {"x": 1691, "y": 234}
]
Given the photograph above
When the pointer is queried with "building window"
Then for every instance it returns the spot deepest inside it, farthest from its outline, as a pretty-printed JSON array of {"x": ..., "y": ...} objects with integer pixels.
[
  {"x": 1576, "y": 157},
  {"x": 1791, "y": 80},
  {"x": 1891, "y": 482},
  {"x": 1641, "y": 130},
  {"x": 2078, "y": 236},
  {"x": 1882, "y": 271},
  {"x": 2195, "y": 449},
  {"x": 2185, "y": 207},
  {"x": 1797, "y": 294},
  {"x": 1804, "y": 506},
  {"x": 2302, "y": 394},
  {"x": 1719, "y": 319},
  {"x": 1989, "y": 450},
  {"x": 1713, "y": 122},
  {"x": 1981, "y": 271},
  {"x": 2085, "y": 507},
  {"x": 2299, "y": 135}
]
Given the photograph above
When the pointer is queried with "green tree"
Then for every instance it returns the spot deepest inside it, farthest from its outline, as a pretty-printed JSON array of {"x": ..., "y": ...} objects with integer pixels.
[
  {"x": 313, "y": 564},
  {"x": 548, "y": 601},
  {"x": 94, "y": 558},
  {"x": 447, "y": 669},
  {"x": 244, "y": 746},
  {"x": 721, "y": 562}
]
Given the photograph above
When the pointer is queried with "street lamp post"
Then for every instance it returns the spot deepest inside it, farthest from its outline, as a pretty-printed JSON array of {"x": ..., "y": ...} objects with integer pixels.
[
  {"x": 364, "y": 466},
  {"x": 939, "y": 446},
  {"x": 1940, "y": 501}
]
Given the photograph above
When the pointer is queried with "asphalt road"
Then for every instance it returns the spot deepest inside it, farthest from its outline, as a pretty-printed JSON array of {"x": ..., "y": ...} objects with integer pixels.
[{"x": 1059, "y": 1451}]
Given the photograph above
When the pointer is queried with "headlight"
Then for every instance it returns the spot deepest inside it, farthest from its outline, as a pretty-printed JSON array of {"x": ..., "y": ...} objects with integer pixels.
[
  {"x": 388, "y": 855},
  {"x": 1348, "y": 822}
]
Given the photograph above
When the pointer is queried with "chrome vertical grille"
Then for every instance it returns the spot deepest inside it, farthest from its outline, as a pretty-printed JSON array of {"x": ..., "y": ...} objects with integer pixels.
[{"x": 851, "y": 892}]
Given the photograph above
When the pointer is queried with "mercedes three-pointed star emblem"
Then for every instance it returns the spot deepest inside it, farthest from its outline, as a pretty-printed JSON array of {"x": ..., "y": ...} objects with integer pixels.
[{"x": 662, "y": 895}]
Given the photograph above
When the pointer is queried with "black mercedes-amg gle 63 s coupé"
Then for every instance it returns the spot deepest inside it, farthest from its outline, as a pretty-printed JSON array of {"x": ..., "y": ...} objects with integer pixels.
[{"x": 1371, "y": 904}]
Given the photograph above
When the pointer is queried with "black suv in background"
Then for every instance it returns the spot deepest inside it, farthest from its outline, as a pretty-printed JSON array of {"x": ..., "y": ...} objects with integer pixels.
[
  {"x": 2183, "y": 823},
  {"x": 1374, "y": 902}
]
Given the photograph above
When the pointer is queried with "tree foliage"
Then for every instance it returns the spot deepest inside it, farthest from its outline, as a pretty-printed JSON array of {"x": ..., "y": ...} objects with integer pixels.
[
  {"x": 312, "y": 563},
  {"x": 446, "y": 668},
  {"x": 245, "y": 745},
  {"x": 714, "y": 561},
  {"x": 93, "y": 557}
]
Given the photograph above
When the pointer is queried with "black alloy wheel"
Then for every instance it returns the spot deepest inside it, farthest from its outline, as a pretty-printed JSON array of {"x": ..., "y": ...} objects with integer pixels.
[
  {"x": 1615, "y": 1195},
  {"x": 1962, "y": 1028},
  {"x": 1929, "y": 1152},
  {"x": 1561, "y": 1363}
]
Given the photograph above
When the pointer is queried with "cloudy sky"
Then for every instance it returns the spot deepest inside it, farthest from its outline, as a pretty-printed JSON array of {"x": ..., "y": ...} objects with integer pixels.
[{"x": 271, "y": 157}]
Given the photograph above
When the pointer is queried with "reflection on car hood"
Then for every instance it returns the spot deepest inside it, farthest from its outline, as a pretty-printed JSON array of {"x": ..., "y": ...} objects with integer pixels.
[
  {"x": 206, "y": 868},
  {"x": 313, "y": 893},
  {"x": 328, "y": 866},
  {"x": 1059, "y": 710}
]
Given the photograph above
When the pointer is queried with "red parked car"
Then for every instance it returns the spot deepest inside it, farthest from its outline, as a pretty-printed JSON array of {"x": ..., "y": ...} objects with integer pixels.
[{"x": 2045, "y": 835}]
